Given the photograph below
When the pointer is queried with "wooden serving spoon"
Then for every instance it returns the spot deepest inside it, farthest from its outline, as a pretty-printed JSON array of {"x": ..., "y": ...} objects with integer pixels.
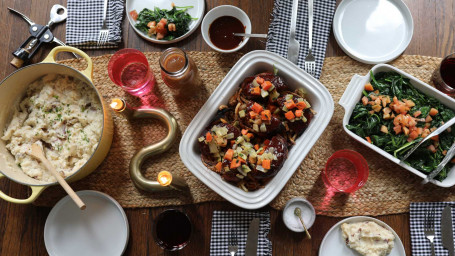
[{"x": 37, "y": 152}]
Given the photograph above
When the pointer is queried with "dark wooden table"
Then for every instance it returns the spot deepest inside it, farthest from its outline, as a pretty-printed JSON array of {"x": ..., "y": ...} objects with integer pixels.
[{"x": 21, "y": 226}]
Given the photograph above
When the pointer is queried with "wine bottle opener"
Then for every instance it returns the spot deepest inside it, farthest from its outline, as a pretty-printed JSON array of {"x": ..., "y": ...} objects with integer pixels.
[{"x": 39, "y": 34}]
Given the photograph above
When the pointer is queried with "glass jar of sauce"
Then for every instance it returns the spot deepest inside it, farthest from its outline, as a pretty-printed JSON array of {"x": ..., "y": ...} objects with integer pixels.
[{"x": 179, "y": 71}]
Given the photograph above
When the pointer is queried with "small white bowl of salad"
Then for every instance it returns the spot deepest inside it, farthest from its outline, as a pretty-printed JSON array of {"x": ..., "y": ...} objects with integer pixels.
[{"x": 164, "y": 22}]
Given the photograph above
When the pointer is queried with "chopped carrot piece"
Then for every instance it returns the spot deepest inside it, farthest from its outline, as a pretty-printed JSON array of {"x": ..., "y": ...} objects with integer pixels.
[
  {"x": 163, "y": 20},
  {"x": 260, "y": 80},
  {"x": 289, "y": 115},
  {"x": 250, "y": 135},
  {"x": 266, "y": 164},
  {"x": 208, "y": 137},
  {"x": 218, "y": 166},
  {"x": 266, "y": 115},
  {"x": 290, "y": 104},
  {"x": 229, "y": 154},
  {"x": 413, "y": 135},
  {"x": 257, "y": 108},
  {"x": 232, "y": 142},
  {"x": 235, "y": 163},
  {"x": 369, "y": 87},
  {"x": 244, "y": 131},
  {"x": 266, "y": 85},
  {"x": 298, "y": 113},
  {"x": 397, "y": 129},
  {"x": 134, "y": 14},
  {"x": 433, "y": 112},
  {"x": 364, "y": 100},
  {"x": 241, "y": 160},
  {"x": 368, "y": 139},
  {"x": 256, "y": 91},
  {"x": 261, "y": 152},
  {"x": 435, "y": 138},
  {"x": 256, "y": 146},
  {"x": 417, "y": 113},
  {"x": 253, "y": 115},
  {"x": 301, "y": 105}
]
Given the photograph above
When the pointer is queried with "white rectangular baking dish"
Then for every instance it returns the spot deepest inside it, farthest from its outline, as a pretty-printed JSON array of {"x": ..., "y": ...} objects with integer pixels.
[
  {"x": 353, "y": 93},
  {"x": 253, "y": 63}
]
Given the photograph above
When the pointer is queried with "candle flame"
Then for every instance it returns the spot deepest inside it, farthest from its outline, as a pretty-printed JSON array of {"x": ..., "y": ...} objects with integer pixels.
[
  {"x": 117, "y": 104},
  {"x": 164, "y": 178}
]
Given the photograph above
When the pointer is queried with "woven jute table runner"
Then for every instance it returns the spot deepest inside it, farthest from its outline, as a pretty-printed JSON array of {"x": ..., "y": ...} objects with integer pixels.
[{"x": 389, "y": 188}]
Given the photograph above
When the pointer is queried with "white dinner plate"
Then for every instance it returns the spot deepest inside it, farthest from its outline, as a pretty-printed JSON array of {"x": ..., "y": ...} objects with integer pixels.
[
  {"x": 196, "y": 12},
  {"x": 101, "y": 229},
  {"x": 373, "y": 31},
  {"x": 334, "y": 244}
]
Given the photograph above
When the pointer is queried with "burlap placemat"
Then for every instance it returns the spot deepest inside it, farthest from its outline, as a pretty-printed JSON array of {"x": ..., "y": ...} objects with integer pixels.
[{"x": 389, "y": 189}]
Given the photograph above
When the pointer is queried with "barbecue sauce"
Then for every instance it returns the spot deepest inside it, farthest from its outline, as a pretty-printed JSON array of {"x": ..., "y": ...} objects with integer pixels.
[{"x": 221, "y": 32}]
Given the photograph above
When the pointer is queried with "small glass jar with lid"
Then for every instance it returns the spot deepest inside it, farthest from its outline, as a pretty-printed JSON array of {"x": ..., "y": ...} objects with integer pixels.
[{"x": 179, "y": 72}]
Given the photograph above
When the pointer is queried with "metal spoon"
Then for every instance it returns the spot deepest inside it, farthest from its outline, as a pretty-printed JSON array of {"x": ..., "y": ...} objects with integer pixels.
[
  {"x": 251, "y": 35},
  {"x": 298, "y": 213}
]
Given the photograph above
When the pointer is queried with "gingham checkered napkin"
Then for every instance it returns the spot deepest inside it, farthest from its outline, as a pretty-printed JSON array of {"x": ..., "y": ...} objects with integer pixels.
[
  {"x": 224, "y": 222},
  {"x": 85, "y": 18},
  {"x": 419, "y": 243},
  {"x": 279, "y": 29}
]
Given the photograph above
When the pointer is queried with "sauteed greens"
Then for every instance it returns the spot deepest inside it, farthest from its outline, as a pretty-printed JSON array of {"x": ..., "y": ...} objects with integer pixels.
[
  {"x": 165, "y": 24},
  {"x": 394, "y": 116}
]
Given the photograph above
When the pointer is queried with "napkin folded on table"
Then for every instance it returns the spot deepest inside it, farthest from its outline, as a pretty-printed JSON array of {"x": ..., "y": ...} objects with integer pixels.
[
  {"x": 279, "y": 29},
  {"x": 85, "y": 18},
  {"x": 224, "y": 221},
  {"x": 420, "y": 245}
]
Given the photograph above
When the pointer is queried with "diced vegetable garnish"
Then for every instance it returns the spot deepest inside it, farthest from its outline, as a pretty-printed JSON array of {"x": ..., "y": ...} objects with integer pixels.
[
  {"x": 244, "y": 131},
  {"x": 289, "y": 104},
  {"x": 208, "y": 137},
  {"x": 301, "y": 105},
  {"x": 289, "y": 115},
  {"x": 266, "y": 164},
  {"x": 218, "y": 166},
  {"x": 235, "y": 163},
  {"x": 267, "y": 85},
  {"x": 298, "y": 113},
  {"x": 229, "y": 154},
  {"x": 133, "y": 14},
  {"x": 266, "y": 115},
  {"x": 242, "y": 113},
  {"x": 256, "y": 91},
  {"x": 257, "y": 108},
  {"x": 369, "y": 88}
]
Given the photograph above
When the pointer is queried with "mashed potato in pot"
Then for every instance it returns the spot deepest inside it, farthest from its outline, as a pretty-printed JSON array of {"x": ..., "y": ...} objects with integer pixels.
[
  {"x": 368, "y": 238},
  {"x": 61, "y": 113}
]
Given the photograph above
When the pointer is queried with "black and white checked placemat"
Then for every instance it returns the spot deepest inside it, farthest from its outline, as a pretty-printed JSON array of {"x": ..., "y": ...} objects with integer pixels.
[
  {"x": 419, "y": 243},
  {"x": 224, "y": 221},
  {"x": 85, "y": 18},
  {"x": 279, "y": 29}
]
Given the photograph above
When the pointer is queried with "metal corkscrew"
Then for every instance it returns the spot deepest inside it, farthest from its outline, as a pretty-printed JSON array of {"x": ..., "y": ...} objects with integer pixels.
[{"x": 39, "y": 34}]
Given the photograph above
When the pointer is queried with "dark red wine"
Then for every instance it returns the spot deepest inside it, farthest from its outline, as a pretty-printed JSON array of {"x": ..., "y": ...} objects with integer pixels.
[
  {"x": 172, "y": 230},
  {"x": 448, "y": 72}
]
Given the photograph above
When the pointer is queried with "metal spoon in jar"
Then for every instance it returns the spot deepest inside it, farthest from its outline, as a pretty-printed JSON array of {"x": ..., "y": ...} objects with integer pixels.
[
  {"x": 251, "y": 35},
  {"x": 298, "y": 213}
]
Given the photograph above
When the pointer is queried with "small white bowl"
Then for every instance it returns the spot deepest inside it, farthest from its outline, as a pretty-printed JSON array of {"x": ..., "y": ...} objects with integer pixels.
[
  {"x": 220, "y": 11},
  {"x": 292, "y": 221}
]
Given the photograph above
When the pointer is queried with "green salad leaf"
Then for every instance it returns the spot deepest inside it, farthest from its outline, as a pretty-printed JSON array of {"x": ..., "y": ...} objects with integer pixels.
[
  {"x": 366, "y": 122},
  {"x": 176, "y": 15}
]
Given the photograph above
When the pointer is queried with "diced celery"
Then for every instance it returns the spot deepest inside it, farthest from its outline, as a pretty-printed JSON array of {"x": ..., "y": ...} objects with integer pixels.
[
  {"x": 201, "y": 139},
  {"x": 264, "y": 93},
  {"x": 242, "y": 113}
]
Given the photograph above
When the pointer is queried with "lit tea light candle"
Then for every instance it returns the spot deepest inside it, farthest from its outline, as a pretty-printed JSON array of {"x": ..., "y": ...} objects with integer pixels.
[
  {"x": 167, "y": 180},
  {"x": 120, "y": 106},
  {"x": 164, "y": 178}
]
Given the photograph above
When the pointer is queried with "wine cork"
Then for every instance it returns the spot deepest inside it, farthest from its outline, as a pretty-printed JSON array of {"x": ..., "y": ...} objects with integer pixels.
[{"x": 16, "y": 62}]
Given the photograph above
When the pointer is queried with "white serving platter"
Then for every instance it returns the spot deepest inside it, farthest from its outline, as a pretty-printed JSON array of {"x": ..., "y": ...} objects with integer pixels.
[
  {"x": 353, "y": 93},
  {"x": 250, "y": 64},
  {"x": 196, "y": 12},
  {"x": 101, "y": 229},
  {"x": 334, "y": 244},
  {"x": 373, "y": 31}
]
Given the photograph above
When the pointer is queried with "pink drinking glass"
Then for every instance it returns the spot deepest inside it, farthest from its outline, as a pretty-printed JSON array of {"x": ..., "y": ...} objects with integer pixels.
[
  {"x": 345, "y": 171},
  {"x": 129, "y": 69}
]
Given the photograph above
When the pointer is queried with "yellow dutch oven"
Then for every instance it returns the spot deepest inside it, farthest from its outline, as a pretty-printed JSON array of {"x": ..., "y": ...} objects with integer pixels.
[{"x": 13, "y": 87}]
